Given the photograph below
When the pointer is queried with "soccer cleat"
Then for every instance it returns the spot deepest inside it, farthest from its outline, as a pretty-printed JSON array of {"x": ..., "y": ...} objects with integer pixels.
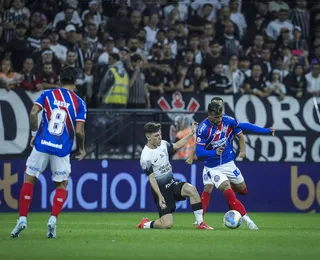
[
  {"x": 252, "y": 226},
  {"x": 52, "y": 227},
  {"x": 204, "y": 226},
  {"x": 21, "y": 225},
  {"x": 195, "y": 223},
  {"x": 142, "y": 222}
]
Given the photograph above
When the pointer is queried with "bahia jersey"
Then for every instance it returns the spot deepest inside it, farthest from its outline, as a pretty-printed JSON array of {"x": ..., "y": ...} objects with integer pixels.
[
  {"x": 211, "y": 137},
  {"x": 62, "y": 108}
]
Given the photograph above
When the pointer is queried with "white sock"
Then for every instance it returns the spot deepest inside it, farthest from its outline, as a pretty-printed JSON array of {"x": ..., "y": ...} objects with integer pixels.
[
  {"x": 199, "y": 216},
  {"x": 247, "y": 219},
  {"x": 147, "y": 225},
  {"x": 23, "y": 219}
]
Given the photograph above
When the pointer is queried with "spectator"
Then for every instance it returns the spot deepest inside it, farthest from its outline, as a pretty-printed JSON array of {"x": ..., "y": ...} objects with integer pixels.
[
  {"x": 275, "y": 87},
  {"x": 296, "y": 83},
  {"x": 313, "y": 80}
]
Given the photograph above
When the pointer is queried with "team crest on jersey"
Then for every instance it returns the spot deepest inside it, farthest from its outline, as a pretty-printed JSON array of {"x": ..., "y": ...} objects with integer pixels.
[
  {"x": 198, "y": 139},
  {"x": 177, "y": 106}
]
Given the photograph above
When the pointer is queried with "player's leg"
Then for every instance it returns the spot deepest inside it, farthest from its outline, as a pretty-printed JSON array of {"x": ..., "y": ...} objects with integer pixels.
[
  {"x": 240, "y": 188},
  {"x": 207, "y": 190},
  {"x": 165, "y": 220},
  {"x": 36, "y": 163},
  {"x": 185, "y": 190},
  {"x": 222, "y": 182},
  {"x": 61, "y": 168}
]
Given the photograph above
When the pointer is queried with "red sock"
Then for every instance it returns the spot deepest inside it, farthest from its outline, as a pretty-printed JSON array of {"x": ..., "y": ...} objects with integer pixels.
[
  {"x": 205, "y": 199},
  {"x": 26, "y": 193},
  {"x": 234, "y": 203},
  {"x": 58, "y": 201},
  {"x": 243, "y": 192}
]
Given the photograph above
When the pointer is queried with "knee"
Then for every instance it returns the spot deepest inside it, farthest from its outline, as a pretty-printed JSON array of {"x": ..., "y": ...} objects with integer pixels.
[
  {"x": 191, "y": 190},
  {"x": 208, "y": 188},
  {"x": 243, "y": 191},
  {"x": 167, "y": 224}
]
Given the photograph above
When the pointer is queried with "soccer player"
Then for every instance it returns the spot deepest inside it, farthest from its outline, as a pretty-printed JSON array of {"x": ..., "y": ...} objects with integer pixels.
[
  {"x": 64, "y": 115},
  {"x": 214, "y": 145},
  {"x": 165, "y": 189},
  {"x": 240, "y": 188}
]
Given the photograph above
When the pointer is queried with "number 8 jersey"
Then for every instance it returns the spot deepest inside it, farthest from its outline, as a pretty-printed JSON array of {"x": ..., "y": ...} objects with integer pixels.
[{"x": 62, "y": 108}]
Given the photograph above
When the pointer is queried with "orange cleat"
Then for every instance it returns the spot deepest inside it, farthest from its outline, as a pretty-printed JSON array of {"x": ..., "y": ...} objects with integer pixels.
[
  {"x": 142, "y": 222},
  {"x": 204, "y": 226}
]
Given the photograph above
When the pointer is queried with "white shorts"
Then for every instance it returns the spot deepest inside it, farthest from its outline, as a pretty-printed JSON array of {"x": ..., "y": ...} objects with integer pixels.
[
  {"x": 219, "y": 174},
  {"x": 37, "y": 162}
]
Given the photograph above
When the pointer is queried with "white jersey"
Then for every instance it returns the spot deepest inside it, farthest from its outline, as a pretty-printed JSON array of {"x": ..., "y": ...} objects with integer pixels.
[{"x": 156, "y": 161}]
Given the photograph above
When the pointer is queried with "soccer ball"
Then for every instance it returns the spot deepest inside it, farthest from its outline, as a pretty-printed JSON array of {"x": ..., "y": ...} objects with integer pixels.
[{"x": 232, "y": 219}]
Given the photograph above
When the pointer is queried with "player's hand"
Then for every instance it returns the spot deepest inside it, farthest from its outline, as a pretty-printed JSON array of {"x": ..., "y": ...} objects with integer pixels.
[
  {"x": 189, "y": 160},
  {"x": 162, "y": 202},
  {"x": 242, "y": 155},
  {"x": 81, "y": 155},
  {"x": 32, "y": 141},
  {"x": 220, "y": 150},
  {"x": 194, "y": 127},
  {"x": 273, "y": 131}
]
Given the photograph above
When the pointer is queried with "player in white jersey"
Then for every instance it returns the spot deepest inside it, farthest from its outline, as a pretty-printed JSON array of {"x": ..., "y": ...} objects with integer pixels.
[
  {"x": 64, "y": 115},
  {"x": 165, "y": 189}
]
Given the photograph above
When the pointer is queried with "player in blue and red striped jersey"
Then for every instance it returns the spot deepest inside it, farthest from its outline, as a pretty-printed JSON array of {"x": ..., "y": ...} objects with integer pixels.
[
  {"x": 214, "y": 146},
  {"x": 63, "y": 118},
  {"x": 240, "y": 188}
]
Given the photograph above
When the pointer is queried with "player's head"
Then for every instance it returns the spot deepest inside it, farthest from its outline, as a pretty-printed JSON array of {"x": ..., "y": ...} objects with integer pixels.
[
  {"x": 153, "y": 134},
  {"x": 68, "y": 77},
  {"x": 218, "y": 100},
  {"x": 215, "y": 112}
]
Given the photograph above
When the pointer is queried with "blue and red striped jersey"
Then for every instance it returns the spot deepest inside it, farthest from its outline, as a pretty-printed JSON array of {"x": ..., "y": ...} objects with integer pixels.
[
  {"x": 212, "y": 137},
  {"x": 62, "y": 108}
]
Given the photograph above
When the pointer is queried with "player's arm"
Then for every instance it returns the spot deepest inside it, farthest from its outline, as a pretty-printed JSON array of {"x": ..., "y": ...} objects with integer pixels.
[
  {"x": 192, "y": 155},
  {"x": 242, "y": 145},
  {"x": 256, "y": 129},
  {"x": 147, "y": 169},
  {"x": 80, "y": 137},
  {"x": 36, "y": 109},
  {"x": 185, "y": 139},
  {"x": 80, "y": 131}
]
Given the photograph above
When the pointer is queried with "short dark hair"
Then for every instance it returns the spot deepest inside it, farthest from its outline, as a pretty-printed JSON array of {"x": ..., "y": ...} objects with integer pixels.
[
  {"x": 151, "y": 127},
  {"x": 217, "y": 99},
  {"x": 114, "y": 56},
  {"x": 68, "y": 75},
  {"x": 216, "y": 108}
]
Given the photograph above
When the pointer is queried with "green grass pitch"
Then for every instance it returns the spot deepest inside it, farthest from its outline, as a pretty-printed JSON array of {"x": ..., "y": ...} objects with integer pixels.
[{"x": 114, "y": 236}]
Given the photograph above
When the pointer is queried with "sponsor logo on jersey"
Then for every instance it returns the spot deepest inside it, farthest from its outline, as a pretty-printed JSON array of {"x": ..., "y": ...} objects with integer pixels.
[
  {"x": 61, "y": 103},
  {"x": 48, "y": 143}
]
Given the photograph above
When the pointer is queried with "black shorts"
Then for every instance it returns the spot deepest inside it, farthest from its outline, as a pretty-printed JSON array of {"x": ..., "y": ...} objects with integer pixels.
[{"x": 171, "y": 195}]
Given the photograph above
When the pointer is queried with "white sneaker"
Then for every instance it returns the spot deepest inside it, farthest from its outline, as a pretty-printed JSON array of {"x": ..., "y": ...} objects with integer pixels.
[
  {"x": 252, "y": 226},
  {"x": 52, "y": 227},
  {"x": 21, "y": 225}
]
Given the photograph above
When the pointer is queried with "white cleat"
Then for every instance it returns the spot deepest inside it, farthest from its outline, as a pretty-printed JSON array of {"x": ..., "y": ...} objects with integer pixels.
[
  {"x": 21, "y": 225},
  {"x": 195, "y": 223},
  {"x": 52, "y": 227},
  {"x": 252, "y": 226}
]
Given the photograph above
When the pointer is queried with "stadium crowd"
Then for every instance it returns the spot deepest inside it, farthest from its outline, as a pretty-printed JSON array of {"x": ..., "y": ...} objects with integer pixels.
[{"x": 124, "y": 51}]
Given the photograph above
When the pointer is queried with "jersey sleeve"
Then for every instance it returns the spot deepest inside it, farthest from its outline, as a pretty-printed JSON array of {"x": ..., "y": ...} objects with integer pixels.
[
  {"x": 146, "y": 166},
  {"x": 82, "y": 112},
  {"x": 40, "y": 100},
  {"x": 237, "y": 130},
  {"x": 169, "y": 147},
  {"x": 202, "y": 134},
  {"x": 233, "y": 123}
]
